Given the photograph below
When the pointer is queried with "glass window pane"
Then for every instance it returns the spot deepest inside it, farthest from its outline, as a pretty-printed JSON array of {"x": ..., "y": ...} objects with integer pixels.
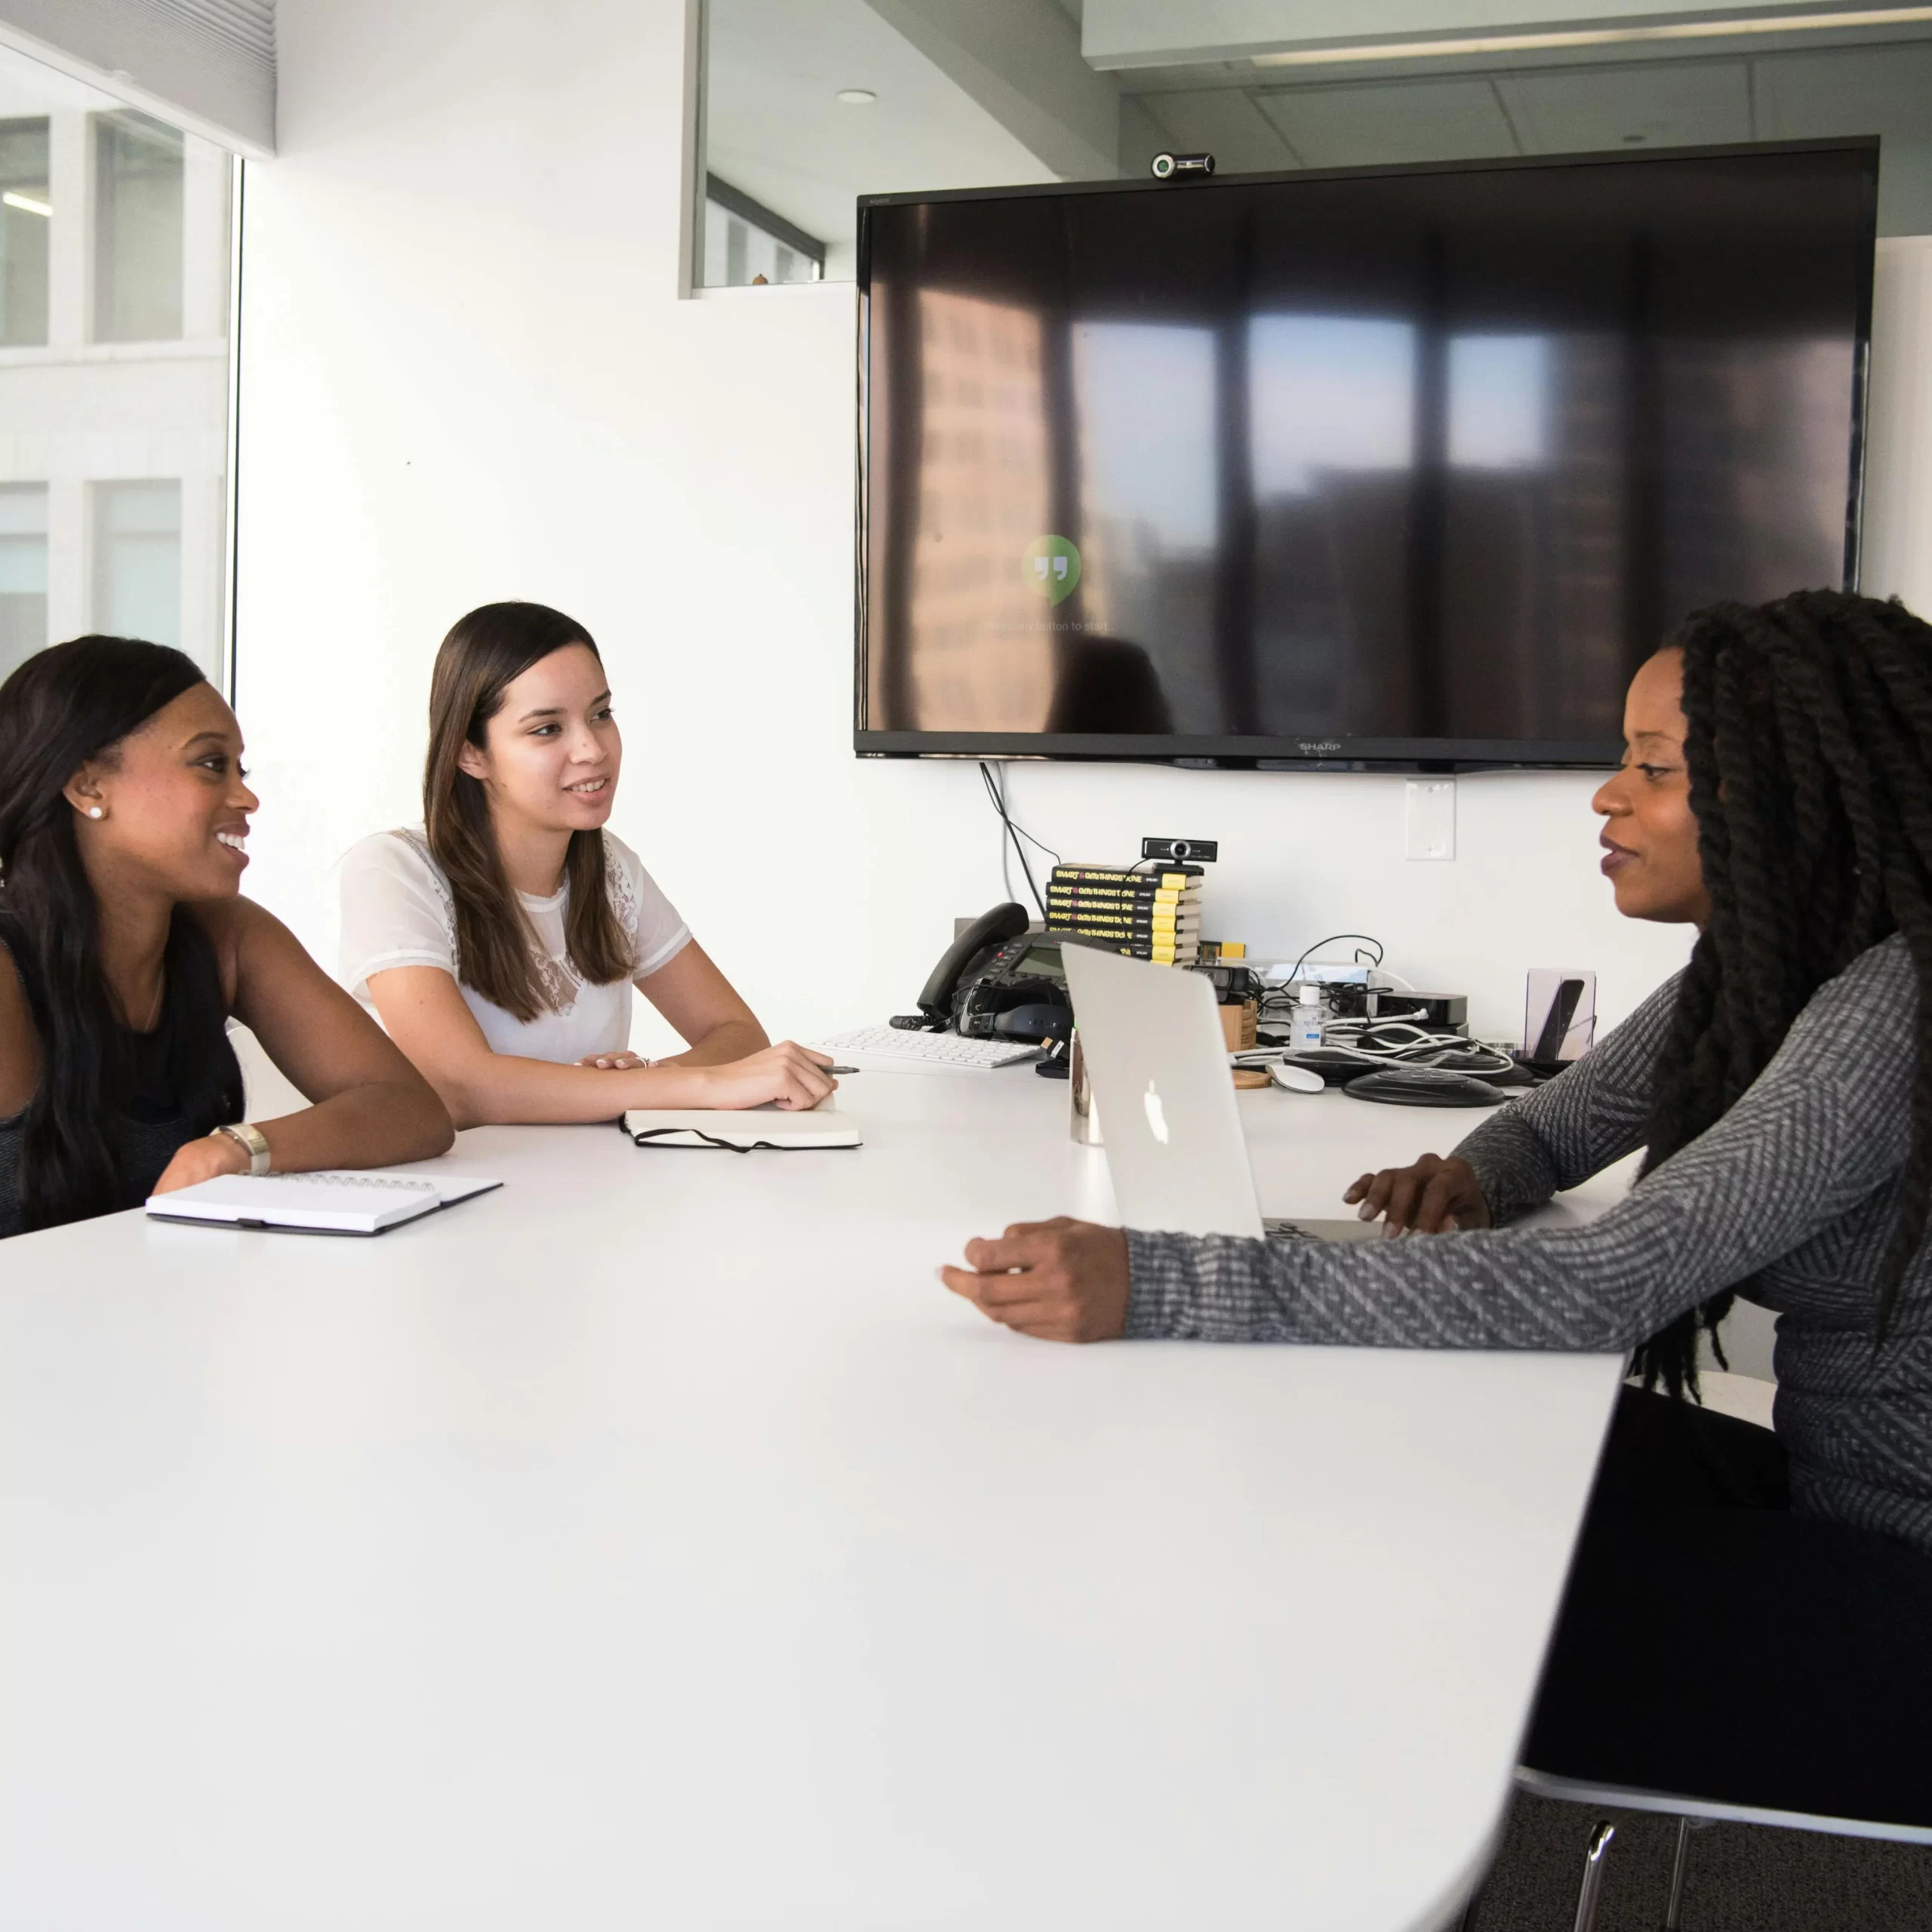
[
  {"x": 113, "y": 468},
  {"x": 26, "y": 217},
  {"x": 23, "y": 572},
  {"x": 746, "y": 243},
  {"x": 138, "y": 185},
  {"x": 137, "y": 560}
]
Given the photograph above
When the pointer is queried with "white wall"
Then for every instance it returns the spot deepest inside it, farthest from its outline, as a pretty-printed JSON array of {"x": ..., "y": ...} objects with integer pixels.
[{"x": 466, "y": 375}]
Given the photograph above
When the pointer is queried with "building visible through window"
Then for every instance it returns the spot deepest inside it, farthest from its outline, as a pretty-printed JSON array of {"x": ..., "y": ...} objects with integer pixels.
[
  {"x": 26, "y": 218},
  {"x": 138, "y": 170},
  {"x": 114, "y": 272},
  {"x": 746, "y": 242},
  {"x": 137, "y": 560},
  {"x": 22, "y": 571}
]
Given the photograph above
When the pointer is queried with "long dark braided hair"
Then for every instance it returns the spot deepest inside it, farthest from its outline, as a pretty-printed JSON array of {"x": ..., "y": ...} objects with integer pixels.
[{"x": 1808, "y": 744}]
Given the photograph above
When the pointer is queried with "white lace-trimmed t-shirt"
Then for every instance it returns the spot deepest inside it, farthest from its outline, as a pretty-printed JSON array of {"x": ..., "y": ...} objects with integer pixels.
[{"x": 397, "y": 910}]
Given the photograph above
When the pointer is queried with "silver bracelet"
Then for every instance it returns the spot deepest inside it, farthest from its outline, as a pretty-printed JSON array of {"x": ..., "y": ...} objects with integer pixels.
[{"x": 252, "y": 1142}]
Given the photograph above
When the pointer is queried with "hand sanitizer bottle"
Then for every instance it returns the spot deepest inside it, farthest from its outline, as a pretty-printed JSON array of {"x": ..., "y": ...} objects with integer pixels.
[{"x": 1305, "y": 1024}]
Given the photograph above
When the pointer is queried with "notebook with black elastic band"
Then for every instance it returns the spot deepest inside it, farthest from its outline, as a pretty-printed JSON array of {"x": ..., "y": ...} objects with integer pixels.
[{"x": 755, "y": 1130}]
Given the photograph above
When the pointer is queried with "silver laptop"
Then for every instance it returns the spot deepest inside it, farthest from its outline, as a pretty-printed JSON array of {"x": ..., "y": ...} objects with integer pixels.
[{"x": 1151, "y": 1039}]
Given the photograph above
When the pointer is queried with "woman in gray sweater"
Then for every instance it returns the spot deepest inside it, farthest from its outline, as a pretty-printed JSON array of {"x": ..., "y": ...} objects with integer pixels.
[{"x": 1777, "y": 792}]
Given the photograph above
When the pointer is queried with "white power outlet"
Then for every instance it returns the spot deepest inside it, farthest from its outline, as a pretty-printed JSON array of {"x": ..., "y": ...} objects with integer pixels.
[{"x": 1430, "y": 819}]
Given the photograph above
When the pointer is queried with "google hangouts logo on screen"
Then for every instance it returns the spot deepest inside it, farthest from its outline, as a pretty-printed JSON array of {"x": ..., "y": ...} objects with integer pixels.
[{"x": 1051, "y": 566}]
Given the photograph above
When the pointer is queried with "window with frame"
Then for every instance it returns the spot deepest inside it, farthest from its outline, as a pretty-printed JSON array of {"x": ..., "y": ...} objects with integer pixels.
[
  {"x": 25, "y": 215},
  {"x": 116, "y": 267}
]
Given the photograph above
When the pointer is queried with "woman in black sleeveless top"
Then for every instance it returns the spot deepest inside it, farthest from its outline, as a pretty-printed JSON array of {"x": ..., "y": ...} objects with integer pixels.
[{"x": 125, "y": 946}]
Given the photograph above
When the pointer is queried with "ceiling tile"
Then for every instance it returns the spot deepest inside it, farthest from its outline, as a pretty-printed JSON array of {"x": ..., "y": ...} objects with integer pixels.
[
  {"x": 1680, "y": 104},
  {"x": 1227, "y": 123},
  {"x": 1358, "y": 126},
  {"x": 1884, "y": 91}
]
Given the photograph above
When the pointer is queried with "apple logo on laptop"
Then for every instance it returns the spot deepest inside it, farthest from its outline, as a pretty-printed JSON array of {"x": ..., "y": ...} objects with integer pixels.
[{"x": 1156, "y": 1116}]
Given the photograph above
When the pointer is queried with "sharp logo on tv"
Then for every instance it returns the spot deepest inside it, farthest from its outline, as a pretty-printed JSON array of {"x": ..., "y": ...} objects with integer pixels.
[
  {"x": 1318, "y": 747},
  {"x": 1052, "y": 566}
]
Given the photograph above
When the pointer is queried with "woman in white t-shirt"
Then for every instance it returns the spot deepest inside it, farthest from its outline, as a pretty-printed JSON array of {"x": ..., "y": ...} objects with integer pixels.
[{"x": 499, "y": 943}]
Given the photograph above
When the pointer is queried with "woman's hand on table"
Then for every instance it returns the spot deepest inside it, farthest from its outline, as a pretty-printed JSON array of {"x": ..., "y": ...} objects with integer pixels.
[
  {"x": 626, "y": 1062},
  {"x": 1433, "y": 1196},
  {"x": 791, "y": 1076},
  {"x": 1062, "y": 1281},
  {"x": 200, "y": 1160}
]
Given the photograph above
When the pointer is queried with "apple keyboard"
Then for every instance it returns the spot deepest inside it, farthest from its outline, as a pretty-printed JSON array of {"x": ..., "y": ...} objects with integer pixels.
[{"x": 892, "y": 1050}]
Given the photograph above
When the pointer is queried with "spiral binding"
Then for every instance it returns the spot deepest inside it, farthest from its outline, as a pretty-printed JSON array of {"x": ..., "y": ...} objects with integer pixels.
[{"x": 345, "y": 1177}]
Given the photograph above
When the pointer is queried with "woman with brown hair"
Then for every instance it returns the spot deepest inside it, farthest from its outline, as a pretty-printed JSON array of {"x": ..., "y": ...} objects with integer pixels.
[{"x": 499, "y": 943}]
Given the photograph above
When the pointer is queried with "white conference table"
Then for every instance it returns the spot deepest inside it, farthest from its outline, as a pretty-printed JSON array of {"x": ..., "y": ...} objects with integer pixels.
[{"x": 653, "y": 1543}]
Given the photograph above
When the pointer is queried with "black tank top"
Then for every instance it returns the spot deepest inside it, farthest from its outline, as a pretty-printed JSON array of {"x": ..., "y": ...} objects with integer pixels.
[{"x": 167, "y": 1087}]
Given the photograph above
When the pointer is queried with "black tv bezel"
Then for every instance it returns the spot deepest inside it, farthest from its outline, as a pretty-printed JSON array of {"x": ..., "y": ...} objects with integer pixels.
[{"x": 1288, "y": 754}]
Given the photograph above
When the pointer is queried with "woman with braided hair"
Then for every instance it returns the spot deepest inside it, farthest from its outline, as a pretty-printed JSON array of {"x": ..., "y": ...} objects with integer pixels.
[{"x": 1740, "y": 1596}]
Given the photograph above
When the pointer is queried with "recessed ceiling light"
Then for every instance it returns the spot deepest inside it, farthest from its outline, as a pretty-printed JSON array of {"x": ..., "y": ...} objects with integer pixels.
[{"x": 856, "y": 97}]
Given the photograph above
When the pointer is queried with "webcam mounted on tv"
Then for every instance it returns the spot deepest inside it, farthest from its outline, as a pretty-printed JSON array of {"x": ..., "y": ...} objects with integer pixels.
[{"x": 1164, "y": 166}]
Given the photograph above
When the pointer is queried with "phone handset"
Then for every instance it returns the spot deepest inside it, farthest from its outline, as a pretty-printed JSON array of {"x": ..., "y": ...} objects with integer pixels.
[{"x": 990, "y": 930}]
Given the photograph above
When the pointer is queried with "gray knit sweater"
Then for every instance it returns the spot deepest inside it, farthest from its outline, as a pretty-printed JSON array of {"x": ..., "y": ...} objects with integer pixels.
[{"x": 1789, "y": 1198}]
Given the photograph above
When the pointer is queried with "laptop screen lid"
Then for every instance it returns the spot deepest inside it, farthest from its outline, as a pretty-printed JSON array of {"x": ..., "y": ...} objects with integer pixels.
[{"x": 1151, "y": 1037}]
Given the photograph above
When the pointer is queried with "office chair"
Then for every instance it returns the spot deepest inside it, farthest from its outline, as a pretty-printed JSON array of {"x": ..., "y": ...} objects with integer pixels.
[
  {"x": 1749, "y": 1401},
  {"x": 1691, "y": 1813}
]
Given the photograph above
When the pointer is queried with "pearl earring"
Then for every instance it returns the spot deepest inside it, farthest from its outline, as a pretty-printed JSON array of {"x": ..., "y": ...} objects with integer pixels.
[{"x": 95, "y": 811}]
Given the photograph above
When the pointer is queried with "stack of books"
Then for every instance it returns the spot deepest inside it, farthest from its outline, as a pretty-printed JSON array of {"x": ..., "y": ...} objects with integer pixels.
[{"x": 1153, "y": 914}]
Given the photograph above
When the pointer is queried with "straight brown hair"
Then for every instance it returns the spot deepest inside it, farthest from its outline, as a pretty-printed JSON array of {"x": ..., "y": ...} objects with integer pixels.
[{"x": 484, "y": 654}]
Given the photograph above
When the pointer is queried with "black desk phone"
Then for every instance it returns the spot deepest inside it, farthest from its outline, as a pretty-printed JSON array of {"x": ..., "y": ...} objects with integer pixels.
[{"x": 995, "y": 967}]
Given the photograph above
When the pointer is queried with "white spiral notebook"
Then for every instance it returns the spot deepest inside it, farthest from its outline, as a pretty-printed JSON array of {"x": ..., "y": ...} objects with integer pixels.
[{"x": 328, "y": 1203}]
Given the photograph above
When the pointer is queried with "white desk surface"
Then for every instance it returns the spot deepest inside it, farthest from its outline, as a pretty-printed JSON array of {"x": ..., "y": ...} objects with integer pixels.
[{"x": 654, "y": 1543}]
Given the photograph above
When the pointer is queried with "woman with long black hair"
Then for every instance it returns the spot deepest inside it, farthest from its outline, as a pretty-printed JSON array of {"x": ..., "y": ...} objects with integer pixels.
[
  {"x": 125, "y": 946},
  {"x": 1738, "y": 1592}
]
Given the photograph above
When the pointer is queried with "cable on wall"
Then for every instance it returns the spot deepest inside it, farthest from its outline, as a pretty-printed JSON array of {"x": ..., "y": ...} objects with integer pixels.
[{"x": 1013, "y": 834}]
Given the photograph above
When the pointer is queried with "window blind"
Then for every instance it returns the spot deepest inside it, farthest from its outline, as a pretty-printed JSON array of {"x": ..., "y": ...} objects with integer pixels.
[
  {"x": 246, "y": 25},
  {"x": 207, "y": 65}
]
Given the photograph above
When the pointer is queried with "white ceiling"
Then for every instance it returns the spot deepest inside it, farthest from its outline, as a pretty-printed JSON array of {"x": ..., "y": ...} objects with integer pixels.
[
  {"x": 1147, "y": 36},
  {"x": 1886, "y": 91},
  {"x": 776, "y": 131}
]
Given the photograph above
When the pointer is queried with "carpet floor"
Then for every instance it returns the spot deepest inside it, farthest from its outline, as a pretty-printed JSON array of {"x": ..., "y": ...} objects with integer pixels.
[{"x": 1740, "y": 1878}]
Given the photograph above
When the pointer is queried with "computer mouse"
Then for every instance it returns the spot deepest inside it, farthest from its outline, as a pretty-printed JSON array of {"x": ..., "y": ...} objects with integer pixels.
[
  {"x": 1422, "y": 1087},
  {"x": 1296, "y": 1079}
]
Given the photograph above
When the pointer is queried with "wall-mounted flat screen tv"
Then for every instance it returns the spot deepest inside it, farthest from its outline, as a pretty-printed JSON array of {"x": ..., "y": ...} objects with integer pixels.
[{"x": 1406, "y": 467}]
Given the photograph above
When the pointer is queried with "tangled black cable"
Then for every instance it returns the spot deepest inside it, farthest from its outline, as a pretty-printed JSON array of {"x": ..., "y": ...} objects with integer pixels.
[
  {"x": 1310, "y": 951},
  {"x": 996, "y": 793}
]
